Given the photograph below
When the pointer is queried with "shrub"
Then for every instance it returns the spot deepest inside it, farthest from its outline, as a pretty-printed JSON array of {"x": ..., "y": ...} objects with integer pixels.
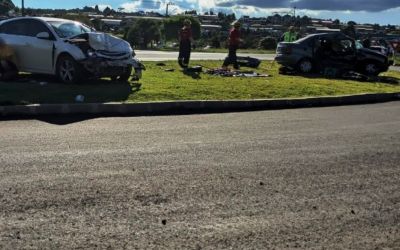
[{"x": 268, "y": 43}]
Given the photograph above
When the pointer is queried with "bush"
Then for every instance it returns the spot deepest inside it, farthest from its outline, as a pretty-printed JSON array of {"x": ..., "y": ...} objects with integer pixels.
[
  {"x": 249, "y": 42},
  {"x": 215, "y": 42},
  {"x": 144, "y": 32},
  {"x": 173, "y": 25},
  {"x": 268, "y": 43}
]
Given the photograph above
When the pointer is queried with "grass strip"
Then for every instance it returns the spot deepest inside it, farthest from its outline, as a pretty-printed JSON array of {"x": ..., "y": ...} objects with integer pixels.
[{"x": 161, "y": 85}]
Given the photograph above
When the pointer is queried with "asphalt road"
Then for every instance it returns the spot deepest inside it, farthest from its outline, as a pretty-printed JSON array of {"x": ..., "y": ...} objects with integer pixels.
[
  {"x": 304, "y": 178},
  {"x": 149, "y": 55}
]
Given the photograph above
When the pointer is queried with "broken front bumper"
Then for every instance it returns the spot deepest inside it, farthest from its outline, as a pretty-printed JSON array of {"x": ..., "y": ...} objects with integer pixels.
[{"x": 104, "y": 67}]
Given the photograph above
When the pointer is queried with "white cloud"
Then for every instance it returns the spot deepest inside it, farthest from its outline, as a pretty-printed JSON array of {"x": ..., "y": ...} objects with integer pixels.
[
  {"x": 158, "y": 6},
  {"x": 130, "y": 7}
]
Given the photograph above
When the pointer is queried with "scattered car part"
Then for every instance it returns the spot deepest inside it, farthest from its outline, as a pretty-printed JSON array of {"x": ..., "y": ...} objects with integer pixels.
[
  {"x": 194, "y": 69},
  {"x": 248, "y": 62},
  {"x": 234, "y": 73}
]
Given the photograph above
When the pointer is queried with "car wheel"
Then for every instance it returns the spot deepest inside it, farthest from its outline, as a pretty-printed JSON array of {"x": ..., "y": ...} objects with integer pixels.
[
  {"x": 371, "y": 69},
  {"x": 305, "y": 66},
  {"x": 68, "y": 69}
]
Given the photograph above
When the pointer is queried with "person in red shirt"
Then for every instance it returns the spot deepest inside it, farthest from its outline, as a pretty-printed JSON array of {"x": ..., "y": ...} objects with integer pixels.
[
  {"x": 185, "y": 44},
  {"x": 234, "y": 42}
]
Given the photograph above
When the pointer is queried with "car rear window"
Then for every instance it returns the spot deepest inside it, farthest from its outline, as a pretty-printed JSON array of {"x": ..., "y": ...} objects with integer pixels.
[
  {"x": 17, "y": 27},
  {"x": 24, "y": 27}
]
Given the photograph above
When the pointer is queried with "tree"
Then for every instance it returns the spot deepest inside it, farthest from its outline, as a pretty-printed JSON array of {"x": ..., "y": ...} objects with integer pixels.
[
  {"x": 6, "y": 6},
  {"x": 96, "y": 9},
  {"x": 191, "y": 12},
  {"x": 350, "y": 31},
  {"x": 268, "y": 43},
  {"x": 215, "y": 41},
  {"x": 173, "y": 24},
  {"x": 351, "y": 23},
  {"x": 376, "y": 27},
  {"x": 88, "y": 9},
  {"x": 107, "y": 11},
  {"x": 143, "y": 32}
]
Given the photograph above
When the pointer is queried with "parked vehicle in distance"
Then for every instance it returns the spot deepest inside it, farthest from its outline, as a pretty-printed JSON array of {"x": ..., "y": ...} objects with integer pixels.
[
  {"x": 68, "y": 49},
  {"x": 334, "y": 50}
]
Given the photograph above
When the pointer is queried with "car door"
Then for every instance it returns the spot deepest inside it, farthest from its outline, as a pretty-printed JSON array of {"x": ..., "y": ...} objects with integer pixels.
[
  {"x": 12, "y": 32},
  {"x": 32, "y": 54},
  {"x": 39, "y": 53},
  {"x": 344, "y": 51}
]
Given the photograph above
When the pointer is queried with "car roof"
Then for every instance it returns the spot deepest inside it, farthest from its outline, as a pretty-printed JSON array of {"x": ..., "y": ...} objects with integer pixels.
[
  {"x": 45, "y": 19},
  {"x": 327, "y": 35}
]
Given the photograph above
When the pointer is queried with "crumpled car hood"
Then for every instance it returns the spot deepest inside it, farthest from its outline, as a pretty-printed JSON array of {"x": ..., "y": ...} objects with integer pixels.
[{"x": 109, "y": 43}]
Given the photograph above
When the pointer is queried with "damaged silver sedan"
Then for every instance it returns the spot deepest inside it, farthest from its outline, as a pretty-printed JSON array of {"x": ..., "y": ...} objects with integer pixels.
[{"x": 68, "y": 49}]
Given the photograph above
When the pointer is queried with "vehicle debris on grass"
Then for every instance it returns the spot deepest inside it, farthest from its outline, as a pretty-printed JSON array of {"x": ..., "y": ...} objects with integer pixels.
[{"x": 234, "y": 73}]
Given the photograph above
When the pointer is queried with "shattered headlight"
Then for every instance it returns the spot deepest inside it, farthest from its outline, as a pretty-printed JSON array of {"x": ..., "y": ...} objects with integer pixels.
[{"x": 91, "y": 53}]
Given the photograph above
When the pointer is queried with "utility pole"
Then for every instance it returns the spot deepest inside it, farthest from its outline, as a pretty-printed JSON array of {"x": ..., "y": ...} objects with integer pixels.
[
  {"x": 22, "y": 8},
  {"x": 166, "y": 11}
]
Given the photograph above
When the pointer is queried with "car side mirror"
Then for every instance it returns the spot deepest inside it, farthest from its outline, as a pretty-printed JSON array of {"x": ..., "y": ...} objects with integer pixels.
[{"x": 43, "y": 35}]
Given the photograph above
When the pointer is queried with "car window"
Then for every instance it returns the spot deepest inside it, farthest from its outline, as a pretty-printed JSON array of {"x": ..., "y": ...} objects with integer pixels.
[
  {"x": 359, "y": 45},
  {"x": 24, "y": 27},
  {"x": 36, "y": 27},
  {"x": 344, "y": 46},
  {"x": 65, "y": 29},
  {"x": 17, "y": 27}
]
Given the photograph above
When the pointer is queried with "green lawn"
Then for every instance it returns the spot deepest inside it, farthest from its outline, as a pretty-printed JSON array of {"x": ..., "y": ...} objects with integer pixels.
[
  {"x": 160, "y": 85},
  {"x": 397, "y": 60}
]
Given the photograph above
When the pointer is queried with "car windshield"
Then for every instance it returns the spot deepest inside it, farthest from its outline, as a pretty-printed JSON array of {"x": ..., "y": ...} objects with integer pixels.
[
  {"x": 359, "y": 45},
  {"x": 68, "y": 29}
]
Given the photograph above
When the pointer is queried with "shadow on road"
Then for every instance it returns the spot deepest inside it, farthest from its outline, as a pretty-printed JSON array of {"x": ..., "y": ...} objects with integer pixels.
[{"x": 42, "y": 89}]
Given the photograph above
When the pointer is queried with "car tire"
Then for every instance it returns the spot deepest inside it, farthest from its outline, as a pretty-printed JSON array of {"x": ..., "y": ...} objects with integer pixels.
[
  {"x": 371, "y": 69},
  {"x": 305, "y": 66},
  {"x": 68, "y": 70},
  {"x": 124, "y": 77}
]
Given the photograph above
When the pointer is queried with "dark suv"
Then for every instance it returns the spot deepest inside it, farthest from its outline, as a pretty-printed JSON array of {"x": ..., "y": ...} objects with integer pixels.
[{"x": 333, "y": 50}]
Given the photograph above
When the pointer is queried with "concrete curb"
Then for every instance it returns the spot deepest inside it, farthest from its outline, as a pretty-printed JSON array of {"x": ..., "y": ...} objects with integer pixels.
[{"x": 174, "y": 107}]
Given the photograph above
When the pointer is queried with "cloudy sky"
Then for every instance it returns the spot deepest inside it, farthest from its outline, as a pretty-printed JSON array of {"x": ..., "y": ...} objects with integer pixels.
[{"x": 362, "y": 11}]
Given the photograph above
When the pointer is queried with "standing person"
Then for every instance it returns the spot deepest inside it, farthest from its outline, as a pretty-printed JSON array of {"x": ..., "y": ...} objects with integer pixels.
[
  {"x": 290, "y": 35},
  {"x": 185, "y": 44},
  {"x": 234, "y": 42}
]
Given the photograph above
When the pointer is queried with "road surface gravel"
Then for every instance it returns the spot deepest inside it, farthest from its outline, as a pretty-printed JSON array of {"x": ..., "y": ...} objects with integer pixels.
[{"x": 303, "y": 178}]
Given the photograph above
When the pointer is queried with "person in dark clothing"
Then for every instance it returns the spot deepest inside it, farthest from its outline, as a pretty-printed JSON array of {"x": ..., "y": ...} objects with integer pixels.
[
  {"x": 234, "y": 42},
  {"x": 185, "y": 44}
]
